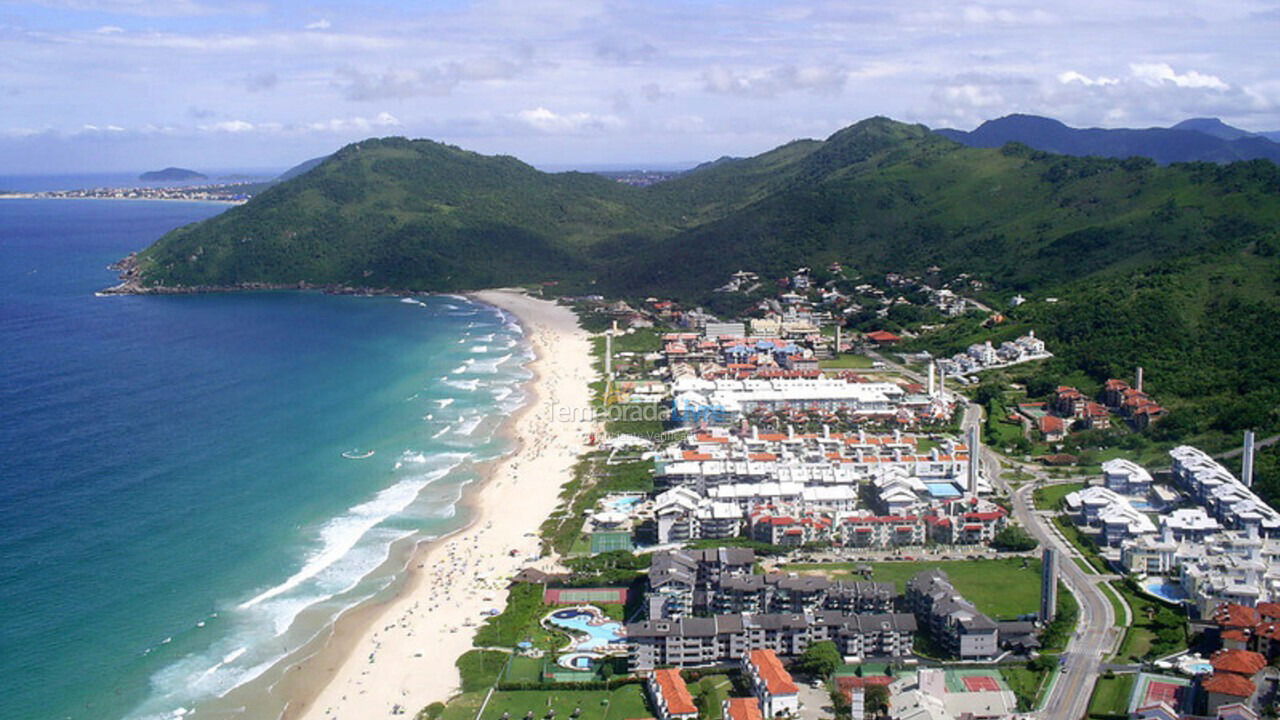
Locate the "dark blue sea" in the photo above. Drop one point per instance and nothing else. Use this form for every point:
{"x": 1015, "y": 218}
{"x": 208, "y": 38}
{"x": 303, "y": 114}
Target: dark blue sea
{"x": 186, "y": 489}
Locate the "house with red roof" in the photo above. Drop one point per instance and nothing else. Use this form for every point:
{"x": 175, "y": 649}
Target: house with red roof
{"x": 1053, "y": 428}
{"x": 740, "y": 708}
{"x": 1235, "y": 678}
{"x": 772, "y": 684}
{"x": 670, "y": 696}
{"x": 882, "y": 338}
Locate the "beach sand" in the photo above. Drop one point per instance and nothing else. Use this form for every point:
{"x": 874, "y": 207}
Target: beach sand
{"x": 403, "y": 655}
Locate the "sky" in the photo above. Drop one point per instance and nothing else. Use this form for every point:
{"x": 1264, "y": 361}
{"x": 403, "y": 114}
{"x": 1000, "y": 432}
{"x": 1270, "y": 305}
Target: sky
{"x": 122, "y": 85}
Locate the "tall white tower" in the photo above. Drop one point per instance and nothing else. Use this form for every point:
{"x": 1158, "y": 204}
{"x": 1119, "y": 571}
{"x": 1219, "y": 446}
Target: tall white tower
{"x": 932, "y": 380}
{"x": 975, "y": 452}
{"x": 1246, "y": 461}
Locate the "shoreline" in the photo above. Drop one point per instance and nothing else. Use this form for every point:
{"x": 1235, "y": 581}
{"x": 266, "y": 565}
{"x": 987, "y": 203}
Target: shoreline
{"x": 413, "y": 637}
{"x": 40, "y": 195}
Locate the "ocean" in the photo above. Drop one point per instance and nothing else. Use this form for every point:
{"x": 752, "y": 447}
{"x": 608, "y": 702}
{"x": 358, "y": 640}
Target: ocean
{"x": 186, "y": 486}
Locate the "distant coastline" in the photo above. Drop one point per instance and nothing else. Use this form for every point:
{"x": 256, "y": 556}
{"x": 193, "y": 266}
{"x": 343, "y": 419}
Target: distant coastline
{"x": 232, "y": 194}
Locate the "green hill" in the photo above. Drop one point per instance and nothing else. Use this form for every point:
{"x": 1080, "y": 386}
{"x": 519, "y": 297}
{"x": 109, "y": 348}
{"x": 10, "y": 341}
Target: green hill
{"x": 1171, "y": 267}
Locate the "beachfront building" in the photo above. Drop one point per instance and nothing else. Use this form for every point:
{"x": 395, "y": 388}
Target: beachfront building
{"x": 771, "y": 683}
{"x": 728, "y": 400}
{"x": 670, "y": 696}
{"x": 700, "y": 641}
{"x": 951, "y": 620}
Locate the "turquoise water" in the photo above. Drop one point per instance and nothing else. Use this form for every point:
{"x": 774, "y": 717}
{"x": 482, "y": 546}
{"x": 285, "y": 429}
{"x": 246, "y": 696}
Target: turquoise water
{"x": 598, "y": 634}
{"x": 943, "y": 489}
{"x": 175, "y": 510}
{"x": 1172, "y": 592}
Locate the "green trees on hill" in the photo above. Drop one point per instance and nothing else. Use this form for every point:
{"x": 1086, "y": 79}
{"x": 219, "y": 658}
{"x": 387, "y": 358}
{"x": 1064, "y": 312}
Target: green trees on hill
{"x": 1172, "y": 268}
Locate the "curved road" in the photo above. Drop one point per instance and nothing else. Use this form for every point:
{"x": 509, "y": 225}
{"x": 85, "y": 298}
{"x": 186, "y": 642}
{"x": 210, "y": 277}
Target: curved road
{"x": 1096, "y": 635}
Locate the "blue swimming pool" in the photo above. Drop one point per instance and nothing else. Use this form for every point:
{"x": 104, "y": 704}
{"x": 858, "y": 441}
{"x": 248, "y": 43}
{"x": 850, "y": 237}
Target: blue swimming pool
{"x": 590, "y": 628}
{"x": 622, "y": 504}
{"x": 1166, "y": 590}
{"x": 943, "y": 489}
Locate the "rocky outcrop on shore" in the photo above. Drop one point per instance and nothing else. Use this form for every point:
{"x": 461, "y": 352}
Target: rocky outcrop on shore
{"x": 131, "y": 283}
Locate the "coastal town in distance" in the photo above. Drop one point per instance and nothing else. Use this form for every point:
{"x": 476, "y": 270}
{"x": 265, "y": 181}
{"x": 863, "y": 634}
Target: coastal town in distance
{"x": 777, "y": 516}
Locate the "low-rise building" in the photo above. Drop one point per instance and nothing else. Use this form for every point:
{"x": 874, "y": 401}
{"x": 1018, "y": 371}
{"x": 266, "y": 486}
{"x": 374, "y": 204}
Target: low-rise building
{"x": 950, "y": 619}
{"x": 771, "y": 683}
{"x": 670, "y": 696}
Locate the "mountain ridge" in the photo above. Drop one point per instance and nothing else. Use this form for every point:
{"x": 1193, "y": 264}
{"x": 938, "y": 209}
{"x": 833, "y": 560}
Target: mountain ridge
{"x": 1193, "y": 140}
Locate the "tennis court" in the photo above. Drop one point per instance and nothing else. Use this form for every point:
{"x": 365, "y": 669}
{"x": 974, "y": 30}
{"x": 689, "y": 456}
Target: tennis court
{"x": 1151, "y": 689}
{"x": 984, "y": 683}
{"x": 974, "y": 680}
{"x": 584, "y": 596}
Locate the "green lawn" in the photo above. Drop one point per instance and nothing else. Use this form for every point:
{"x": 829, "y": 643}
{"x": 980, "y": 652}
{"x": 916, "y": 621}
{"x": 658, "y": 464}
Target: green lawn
{"x": 1111, "y": 696}
{"x": 1081, "y": 543}
{"x": 1001, "y": 588}
{"x": 1118, "y": 603}
{"x": 1050, "y": 497}
{"x": 710, "y": 693}
{"x": 1141, "y": 638}
{"x": 846, "y": 361}
{"x": 625, "y": 702}
{"x": 1026, "y": 684}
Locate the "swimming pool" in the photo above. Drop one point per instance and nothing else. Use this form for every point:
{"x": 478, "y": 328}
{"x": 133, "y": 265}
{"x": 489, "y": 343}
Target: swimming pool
{"x": 1172, "y": 592}
{"x": 943, "y": 489}
{"x": 621, "y": 504}
{"x": 591, "y": 630}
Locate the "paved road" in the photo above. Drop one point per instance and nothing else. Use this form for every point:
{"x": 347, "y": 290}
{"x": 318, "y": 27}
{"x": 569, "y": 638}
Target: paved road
{"x": 1095, "y": 635}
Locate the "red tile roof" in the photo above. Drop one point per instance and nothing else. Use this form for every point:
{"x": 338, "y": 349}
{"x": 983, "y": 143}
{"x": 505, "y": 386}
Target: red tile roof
{"x": 1269, "y": 610}
{"x": 1232, "y": 615}
{"x": 882, "y": 336}
{"x": 1242, "y": 662}
{"x": 675, "y": 692}
{"x": 744, "y": 709}
{"x": 776, "y": 678}
{"x": 1228, "y": 684}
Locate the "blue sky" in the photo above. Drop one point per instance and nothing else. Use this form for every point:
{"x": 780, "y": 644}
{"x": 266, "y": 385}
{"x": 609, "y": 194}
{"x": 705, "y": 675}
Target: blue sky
{"x": 134, "y": 84}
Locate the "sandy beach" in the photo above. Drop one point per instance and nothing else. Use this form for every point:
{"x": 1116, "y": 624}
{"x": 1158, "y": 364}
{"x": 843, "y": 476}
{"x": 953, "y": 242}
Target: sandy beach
{"x": 403, "y": 657}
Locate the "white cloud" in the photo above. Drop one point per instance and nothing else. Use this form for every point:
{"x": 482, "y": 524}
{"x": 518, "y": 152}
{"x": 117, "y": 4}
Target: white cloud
{"x": 1160, "y": 73}
{"x": 228, "y": 126}
{"x": 775, "y": 81}
{"x": 440, "y": 79}
{"x": 109, "y": 30}
{"x": 540, "y": 118}
{"x": 382, "y": 120}
{"x": 321, "y": 24}
{"x": 1071, "y": 76}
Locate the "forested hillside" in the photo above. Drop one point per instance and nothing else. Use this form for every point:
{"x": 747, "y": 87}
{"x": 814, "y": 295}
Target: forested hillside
{"x": 1171, "y": 267}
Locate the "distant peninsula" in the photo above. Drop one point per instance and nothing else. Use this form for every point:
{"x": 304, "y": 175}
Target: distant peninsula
{"x": 171, "y": 174}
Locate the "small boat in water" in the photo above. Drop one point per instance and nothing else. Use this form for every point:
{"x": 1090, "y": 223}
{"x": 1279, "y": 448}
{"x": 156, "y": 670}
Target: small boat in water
{"x": 357, "y": 455}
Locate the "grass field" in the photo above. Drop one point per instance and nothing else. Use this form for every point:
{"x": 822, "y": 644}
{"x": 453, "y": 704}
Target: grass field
{"x": 625, "y": 702}
{"x": 710, "y": 693}
{"x": 1027, "y": 685}
{"x": 1001, "y": 588}
{"x": 1140, "y": 639}
{"x": 1050, "y": 497}
{"x": 1117, "y": 601}
{"x": 846, "y": 361}
{"x": 1111, "y": 696}
{"x": 1081, "y": 543}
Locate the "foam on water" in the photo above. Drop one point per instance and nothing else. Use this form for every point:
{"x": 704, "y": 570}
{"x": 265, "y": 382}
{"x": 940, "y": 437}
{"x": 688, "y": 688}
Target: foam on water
{"x": 340, "y": 535}
{"x": 470, "y": 385}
